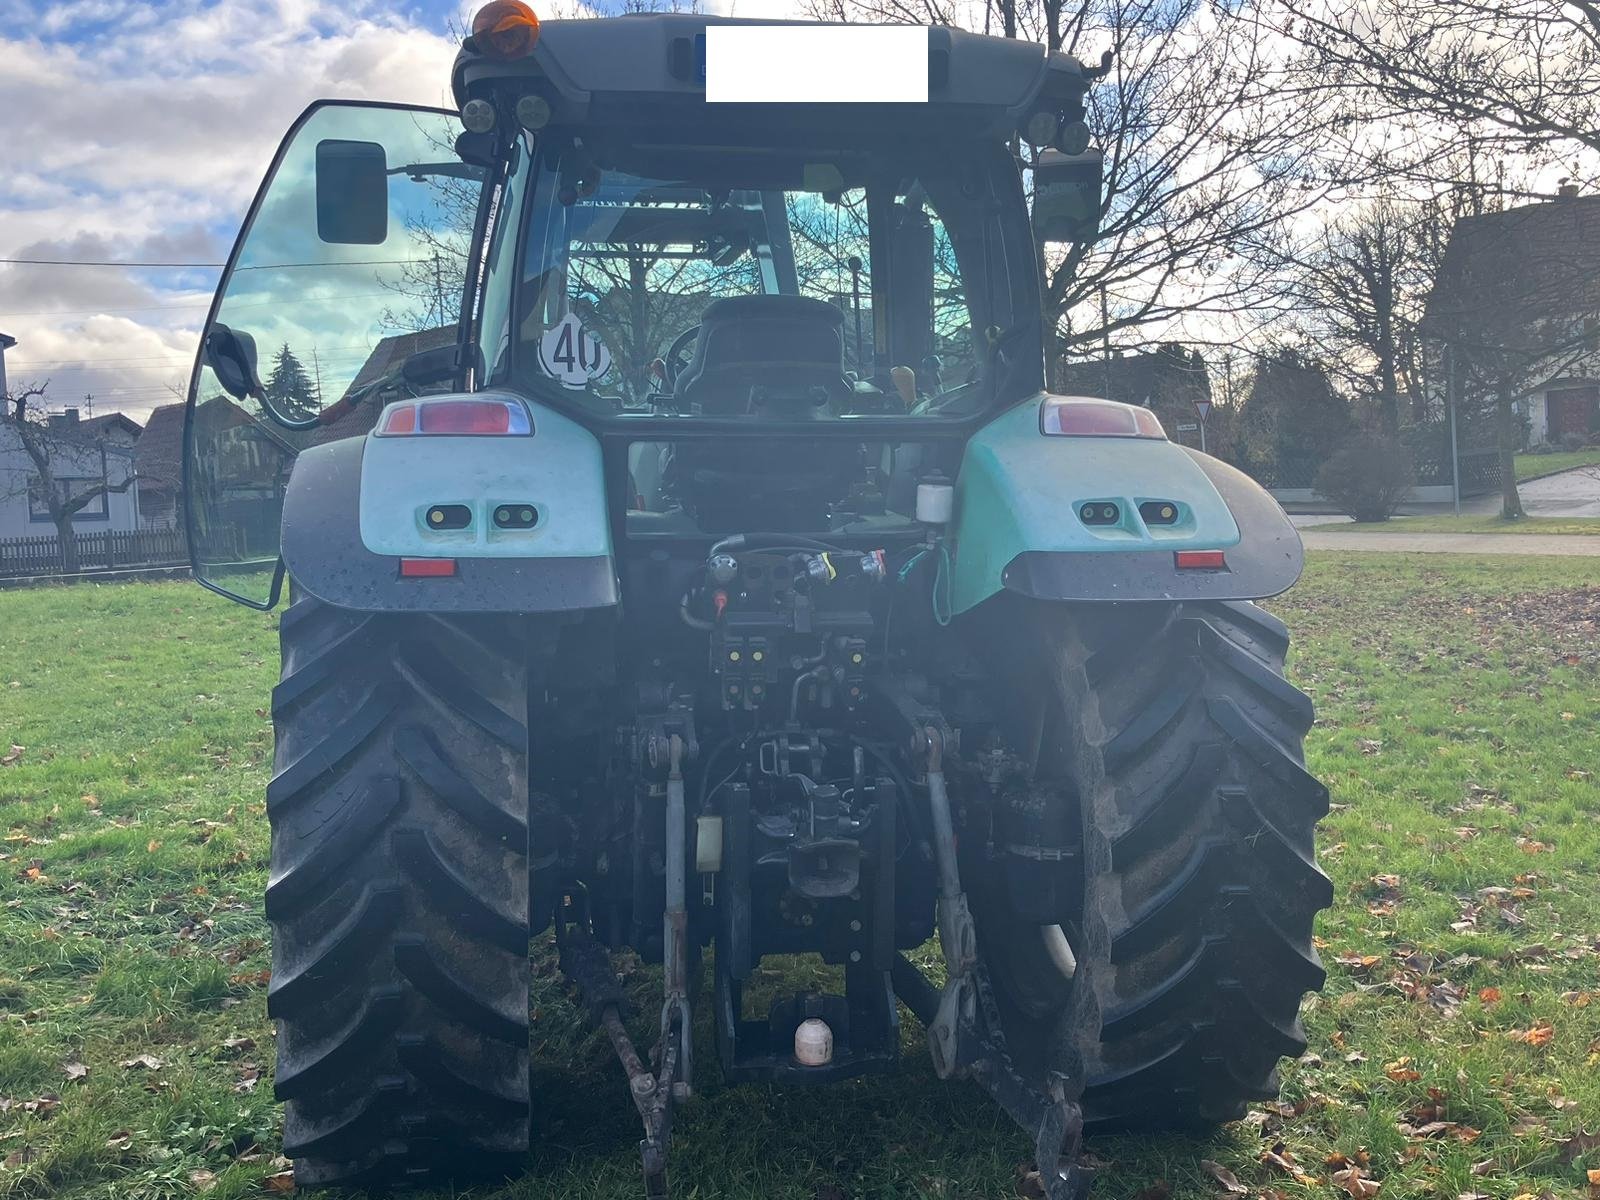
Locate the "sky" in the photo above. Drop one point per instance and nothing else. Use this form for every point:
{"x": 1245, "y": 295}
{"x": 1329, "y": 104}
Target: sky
{"x": 137, "y": 132}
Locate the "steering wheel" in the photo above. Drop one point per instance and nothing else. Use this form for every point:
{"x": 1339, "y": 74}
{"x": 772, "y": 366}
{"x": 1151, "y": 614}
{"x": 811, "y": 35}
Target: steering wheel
{"x": 676, "y": 357}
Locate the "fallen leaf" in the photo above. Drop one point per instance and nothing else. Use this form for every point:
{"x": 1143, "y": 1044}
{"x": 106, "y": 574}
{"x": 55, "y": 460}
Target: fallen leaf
{"x": 1030, "y": 1184}
{"x": 1489, "y": 995}
{"x": 203, "y": 1180}
{"x": 283, "y": 1181}
{"x": 120, "y": 1140}
{"x": 1230, "y": 1182}
{"x": 239, "y": 1045}
{"x": 1401, "y": 1071}
{"x": 74, "y": 1070}
{"x": 1358, "y": 1185}
{"x": 1578, "y": 1145}
{"x": 144, "y": 1062}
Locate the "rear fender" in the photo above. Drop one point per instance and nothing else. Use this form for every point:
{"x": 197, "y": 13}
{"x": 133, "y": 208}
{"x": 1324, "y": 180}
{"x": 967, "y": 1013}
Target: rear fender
{"x": 1018, "y": 522}
{"x": 355, "y": 508}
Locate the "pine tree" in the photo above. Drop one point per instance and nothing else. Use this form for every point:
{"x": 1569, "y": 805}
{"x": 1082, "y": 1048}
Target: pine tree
{"x": 290, "y": 388}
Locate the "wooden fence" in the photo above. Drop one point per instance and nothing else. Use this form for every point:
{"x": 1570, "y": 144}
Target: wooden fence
{"x": 101, "y": 550}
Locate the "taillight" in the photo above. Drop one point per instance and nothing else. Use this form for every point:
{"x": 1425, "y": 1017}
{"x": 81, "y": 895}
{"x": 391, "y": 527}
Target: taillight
{"x": 1077, "y": 416}
{"x": 455, "y": 417}
{"x": 1200, "y": 560}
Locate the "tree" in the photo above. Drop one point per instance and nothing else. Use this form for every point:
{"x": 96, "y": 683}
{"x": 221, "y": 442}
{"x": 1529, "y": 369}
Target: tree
{"x": 1362, "y": 289}
{"x": 1212, "y": 147}
{"x": 1291, "y": 421}
{"x": 1524, "y": 73}
{"x": 291, "y": 390}
{"x": 22, "y": 415}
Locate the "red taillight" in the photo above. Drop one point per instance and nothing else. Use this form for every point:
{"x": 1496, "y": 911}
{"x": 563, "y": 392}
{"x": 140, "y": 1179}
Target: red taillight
{"x": 1200, "y": 560}
{"x": 1075, "y": 416}
{"x": 427, "y": 568}
{"x": 449, "y": 417}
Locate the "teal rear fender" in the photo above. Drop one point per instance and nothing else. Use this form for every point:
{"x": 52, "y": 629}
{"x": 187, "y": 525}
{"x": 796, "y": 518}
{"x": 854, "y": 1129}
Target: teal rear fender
{"x": 1087, "y": 518}
{"x": 356, "y": 509}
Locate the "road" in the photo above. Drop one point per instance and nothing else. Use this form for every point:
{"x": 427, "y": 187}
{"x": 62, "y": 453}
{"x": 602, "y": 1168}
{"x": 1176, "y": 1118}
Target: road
{"x": 1455, "y": 543}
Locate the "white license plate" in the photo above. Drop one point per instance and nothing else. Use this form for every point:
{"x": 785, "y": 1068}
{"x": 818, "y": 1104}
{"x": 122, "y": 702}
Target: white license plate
{"x": 809, "y": 64}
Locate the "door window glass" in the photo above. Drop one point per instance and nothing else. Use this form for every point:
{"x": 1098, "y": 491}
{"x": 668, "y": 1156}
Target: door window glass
{"x": 334, "y": 286}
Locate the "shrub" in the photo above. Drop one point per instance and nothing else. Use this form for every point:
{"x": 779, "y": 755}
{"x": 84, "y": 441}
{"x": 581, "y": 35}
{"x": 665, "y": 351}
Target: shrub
{"x": 1367, "y": 479}
{"x": 1573, "y": 441}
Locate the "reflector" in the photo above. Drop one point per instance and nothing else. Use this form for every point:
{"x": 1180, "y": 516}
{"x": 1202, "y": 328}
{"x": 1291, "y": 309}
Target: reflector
{"x": 1074, "y": 416}
{"x": 505, "y": 29}
{"x": 427, "y": 568}
{"x": 1201, "y": 560}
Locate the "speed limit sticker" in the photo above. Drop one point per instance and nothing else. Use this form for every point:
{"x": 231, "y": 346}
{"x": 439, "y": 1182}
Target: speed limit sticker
{"x": 570, "y": 353}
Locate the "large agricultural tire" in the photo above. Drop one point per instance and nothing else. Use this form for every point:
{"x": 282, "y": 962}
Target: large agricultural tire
{"x": 398, "y": 895}
{"x": 1172, "y": 746}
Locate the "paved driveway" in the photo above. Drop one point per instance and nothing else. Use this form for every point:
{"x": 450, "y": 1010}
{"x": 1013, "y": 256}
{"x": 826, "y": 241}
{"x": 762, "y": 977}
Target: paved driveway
{"x": 1574, "y": 493}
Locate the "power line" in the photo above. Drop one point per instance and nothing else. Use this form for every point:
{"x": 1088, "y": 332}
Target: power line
{"x": 198, "y": 266}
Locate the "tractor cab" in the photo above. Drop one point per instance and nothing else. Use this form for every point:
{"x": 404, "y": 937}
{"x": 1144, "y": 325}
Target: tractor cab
{"x": 593, "y": 234}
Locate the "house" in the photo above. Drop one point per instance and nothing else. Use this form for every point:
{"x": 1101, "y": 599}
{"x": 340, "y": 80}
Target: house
{"x": 247, "y": 458}
{"x": 1515, "y": 312}
{"x": 158, "y": 457}
{"x": 1168, "y": 380}
{"x": 79, "y": 461}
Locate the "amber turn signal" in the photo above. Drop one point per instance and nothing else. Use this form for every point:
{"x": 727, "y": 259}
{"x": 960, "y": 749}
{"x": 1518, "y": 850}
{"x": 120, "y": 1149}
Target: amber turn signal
{"x": 505, "y": 29}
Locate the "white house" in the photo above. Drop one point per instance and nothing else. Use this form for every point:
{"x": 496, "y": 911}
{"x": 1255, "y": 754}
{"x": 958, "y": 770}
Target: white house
{"x": 82, "y": 455}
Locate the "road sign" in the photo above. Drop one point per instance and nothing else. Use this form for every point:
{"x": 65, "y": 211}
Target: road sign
{"x": 1188, "y": 427}
{"x": 1203, "y": 407}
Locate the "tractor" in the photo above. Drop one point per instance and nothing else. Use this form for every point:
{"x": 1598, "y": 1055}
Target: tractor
{"x": 684, "y": 557}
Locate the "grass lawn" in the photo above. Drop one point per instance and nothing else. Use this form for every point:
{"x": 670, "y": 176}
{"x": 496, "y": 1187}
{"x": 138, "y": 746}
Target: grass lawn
{"x": 1454, "y": 1051}
{"x": 1529, "y": 465}
{"x": 1448, "y": 523}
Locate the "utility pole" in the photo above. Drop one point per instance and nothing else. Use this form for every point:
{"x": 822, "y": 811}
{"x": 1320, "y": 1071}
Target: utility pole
{"x": 1105, "y": 338}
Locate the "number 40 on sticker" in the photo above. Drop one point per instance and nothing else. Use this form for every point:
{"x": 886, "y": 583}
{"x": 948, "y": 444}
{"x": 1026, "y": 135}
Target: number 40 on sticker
{"x": 572, "y": 354}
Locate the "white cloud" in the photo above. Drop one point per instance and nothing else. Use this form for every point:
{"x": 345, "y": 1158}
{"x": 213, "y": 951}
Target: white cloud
{"x": 139, "y": 131}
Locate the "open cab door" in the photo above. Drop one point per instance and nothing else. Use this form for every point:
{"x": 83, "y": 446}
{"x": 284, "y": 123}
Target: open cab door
{"x": 352, "y": 260}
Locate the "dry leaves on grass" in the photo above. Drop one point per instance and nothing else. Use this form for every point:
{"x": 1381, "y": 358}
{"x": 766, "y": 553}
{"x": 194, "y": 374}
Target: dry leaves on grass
{"x": 1539, "y": 1035}
{"x": 1229, "y": 1181}
{"x": 1281, "y": 1158}
{"x": 74, "y": 1070}
{"x": 1353, "y": 1180}
{"x": 144, "y": 1062}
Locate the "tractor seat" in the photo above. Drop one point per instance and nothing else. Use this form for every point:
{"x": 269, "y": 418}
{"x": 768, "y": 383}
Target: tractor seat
{"x": 776, "y": 355}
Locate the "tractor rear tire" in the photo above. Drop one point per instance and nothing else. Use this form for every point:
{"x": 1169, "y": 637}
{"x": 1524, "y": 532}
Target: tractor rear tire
{"x": 1173, "y": 743}
{"x": 398, "y": 895}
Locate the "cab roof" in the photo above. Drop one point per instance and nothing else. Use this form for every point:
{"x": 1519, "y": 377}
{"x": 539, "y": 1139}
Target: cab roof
{"x": 646, "y": 69}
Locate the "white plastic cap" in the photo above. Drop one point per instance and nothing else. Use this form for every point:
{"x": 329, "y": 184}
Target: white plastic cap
{"x": 813, "y": 1043}
{"x": 936, "y": 501}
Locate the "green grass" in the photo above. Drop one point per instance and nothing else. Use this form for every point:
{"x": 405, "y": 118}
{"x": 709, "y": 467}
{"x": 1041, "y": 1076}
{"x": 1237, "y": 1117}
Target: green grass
{"x": 1467, "y": 523}
{"x": 1530, "y": 465}
{"x": 1458, "y": 727}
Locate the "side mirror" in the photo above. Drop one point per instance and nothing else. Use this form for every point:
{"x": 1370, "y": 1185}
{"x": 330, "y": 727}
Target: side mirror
{"x": 352, "y": 193}
{"x": 1066, "y": 196}
{"x": 231, "y": 354}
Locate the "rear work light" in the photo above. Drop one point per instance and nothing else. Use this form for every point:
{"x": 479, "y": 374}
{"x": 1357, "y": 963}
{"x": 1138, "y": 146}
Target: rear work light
{"x": 1074, "y": 416}
{"x": 450, "y": 417}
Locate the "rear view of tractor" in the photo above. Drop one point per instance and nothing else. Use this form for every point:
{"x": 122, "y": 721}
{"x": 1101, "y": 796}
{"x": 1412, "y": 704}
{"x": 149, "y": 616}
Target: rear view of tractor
{"x": 684, "y": 556}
